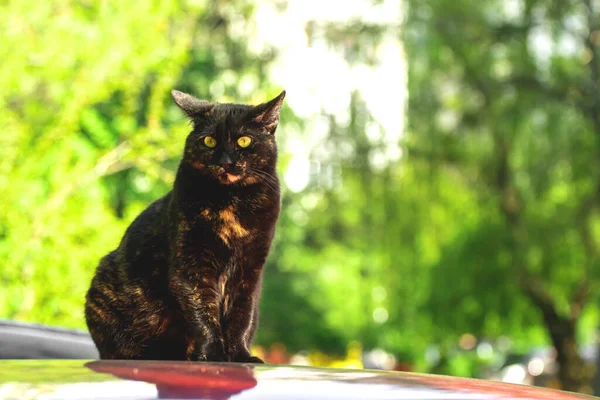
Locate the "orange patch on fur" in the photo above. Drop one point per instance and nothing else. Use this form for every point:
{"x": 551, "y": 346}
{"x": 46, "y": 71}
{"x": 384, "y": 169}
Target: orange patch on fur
{"x": 226, "y": 304}
{"x": 191, "y": 347}
{"x": 222, "y": 282}
{"x": 162, "y": 324}
{"x": 97, "y": 310}
{"x": 251, "y": 180}
{"x": 231, "y": 227}
{"x": 233, "y": 178}
{"x": 206, "y": 213}
{"x": 107, "y": 293}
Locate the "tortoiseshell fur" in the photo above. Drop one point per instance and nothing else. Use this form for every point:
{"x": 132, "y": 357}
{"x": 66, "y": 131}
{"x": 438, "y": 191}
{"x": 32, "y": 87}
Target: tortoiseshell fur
{"x": 185, "y": 280}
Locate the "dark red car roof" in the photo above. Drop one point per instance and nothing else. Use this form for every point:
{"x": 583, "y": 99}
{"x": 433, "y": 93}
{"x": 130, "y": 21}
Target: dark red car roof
{"x": 74, "y": 379}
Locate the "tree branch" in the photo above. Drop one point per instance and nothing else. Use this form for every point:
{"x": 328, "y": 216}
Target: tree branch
{"x": 539, "y": 295}
{"x": 593, "y": 109}
{"x": 581, "y": 296}
{"x": 561, "y": 95}
{"x": 470, "y": 72}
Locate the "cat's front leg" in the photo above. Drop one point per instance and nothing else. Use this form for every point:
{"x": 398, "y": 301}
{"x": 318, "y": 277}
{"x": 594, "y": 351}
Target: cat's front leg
{"x": 240, "y": 320}
{"x": 194, "y": 289}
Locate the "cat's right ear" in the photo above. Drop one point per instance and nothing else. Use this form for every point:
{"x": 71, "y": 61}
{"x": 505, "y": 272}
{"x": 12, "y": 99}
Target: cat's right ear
{"x": 193, "y": 107}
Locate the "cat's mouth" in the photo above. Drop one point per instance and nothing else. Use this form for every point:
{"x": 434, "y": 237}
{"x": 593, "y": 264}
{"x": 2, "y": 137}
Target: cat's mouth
{"x": 228, "y": 177}
{"x": 231, "y": 175}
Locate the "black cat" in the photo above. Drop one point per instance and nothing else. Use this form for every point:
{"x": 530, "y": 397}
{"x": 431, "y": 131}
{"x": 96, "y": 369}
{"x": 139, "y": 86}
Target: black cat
{"x": 185, "y": 280}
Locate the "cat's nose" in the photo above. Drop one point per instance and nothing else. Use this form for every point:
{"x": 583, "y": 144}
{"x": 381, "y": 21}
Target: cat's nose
{"x": 225, "y": 160}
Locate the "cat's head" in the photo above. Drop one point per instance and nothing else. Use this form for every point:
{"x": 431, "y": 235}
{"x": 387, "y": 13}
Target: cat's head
{"x": 232, "y": 143}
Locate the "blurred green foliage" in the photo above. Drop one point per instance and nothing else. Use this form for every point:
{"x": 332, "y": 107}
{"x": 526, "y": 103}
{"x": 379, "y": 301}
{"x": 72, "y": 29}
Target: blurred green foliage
{"x": 505, "y": 106}
{"x": 89, "y": 133}
{"x": 488, "y": 224}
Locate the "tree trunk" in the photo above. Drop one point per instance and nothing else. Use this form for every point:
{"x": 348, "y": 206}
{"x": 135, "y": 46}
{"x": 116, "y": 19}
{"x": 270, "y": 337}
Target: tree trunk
{"x": 574, "y": 375}
{"x": 597, "y": 378}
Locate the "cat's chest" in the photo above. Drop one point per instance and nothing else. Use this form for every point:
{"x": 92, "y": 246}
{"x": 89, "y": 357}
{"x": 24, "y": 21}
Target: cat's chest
{"x": 232, "y": 225}
{"x": 235, "y": 223}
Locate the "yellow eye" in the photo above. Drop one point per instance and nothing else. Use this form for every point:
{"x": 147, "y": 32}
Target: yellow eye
{"x": 210, "y": 142}
{"x": 244, "y": 141}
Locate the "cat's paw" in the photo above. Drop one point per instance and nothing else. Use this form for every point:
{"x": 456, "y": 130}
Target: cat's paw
{"x": 247, "y": 359}
{"x": 214, "y": 352}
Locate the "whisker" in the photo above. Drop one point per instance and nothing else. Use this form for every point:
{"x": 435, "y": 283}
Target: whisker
{"x": 268, "y": 179}
{"x": 266, "y": 176}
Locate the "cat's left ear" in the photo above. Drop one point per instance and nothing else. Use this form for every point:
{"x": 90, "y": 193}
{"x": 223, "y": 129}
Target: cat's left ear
{"x": 267, "y": 114}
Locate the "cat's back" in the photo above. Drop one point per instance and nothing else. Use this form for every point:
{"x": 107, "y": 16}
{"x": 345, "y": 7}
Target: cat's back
{"x": 131, "y": 277}
{"x": 150, "y": 221}
{"x": 144, "y": 245}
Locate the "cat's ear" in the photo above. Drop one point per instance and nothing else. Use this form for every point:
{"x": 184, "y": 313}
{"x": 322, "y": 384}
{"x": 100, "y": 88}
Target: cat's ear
{"x": 267, "y": 114}
{"x": 192, "y": 106}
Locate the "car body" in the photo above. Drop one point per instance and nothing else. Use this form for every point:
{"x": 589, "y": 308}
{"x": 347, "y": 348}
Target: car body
{"x": 39, "y": 362}
{"x": 105, "y": 379}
